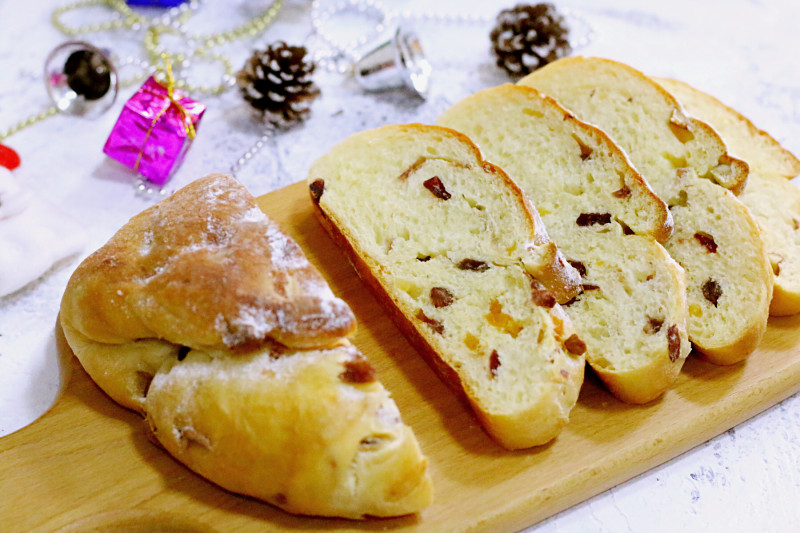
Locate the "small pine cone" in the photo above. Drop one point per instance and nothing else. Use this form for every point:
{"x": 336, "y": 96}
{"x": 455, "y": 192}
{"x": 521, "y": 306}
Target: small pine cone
{"x": 528, "y": 37}
{"x": 277, "y": 83}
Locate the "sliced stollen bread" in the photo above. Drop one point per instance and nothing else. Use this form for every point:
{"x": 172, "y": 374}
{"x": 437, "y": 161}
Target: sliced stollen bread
{"x": 770, "y": 197}
{"x": 716, "y": 239}
{"x": 606, "y": 220}
{"x": 454, "y": 250}
{"x": 204, "y": 317}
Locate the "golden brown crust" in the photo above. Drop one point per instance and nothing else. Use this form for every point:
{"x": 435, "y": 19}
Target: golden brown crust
{"x": 209, "y": 246}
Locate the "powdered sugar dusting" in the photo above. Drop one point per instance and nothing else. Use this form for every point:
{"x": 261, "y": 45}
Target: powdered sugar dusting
{"x": 286, "y": 254}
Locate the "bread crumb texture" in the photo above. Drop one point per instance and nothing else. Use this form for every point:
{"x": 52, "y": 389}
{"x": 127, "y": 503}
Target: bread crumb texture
{"x": 450, "y": 240}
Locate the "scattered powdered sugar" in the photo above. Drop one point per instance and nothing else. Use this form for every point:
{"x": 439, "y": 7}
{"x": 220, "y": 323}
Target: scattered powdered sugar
{"x": 285, "y": 253}
{"x": 254, "y": 214}
{"x": 251, "y": 323}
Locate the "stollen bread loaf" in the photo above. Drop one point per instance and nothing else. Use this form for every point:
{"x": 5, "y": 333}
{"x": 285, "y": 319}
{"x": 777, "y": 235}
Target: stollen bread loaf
{"x": 716, "y": 239}
{"x": 606, "y": 220}
{"x": 770, "y": 197}
{"x": 456, "y": 253}
{"x": 204, "y": 317}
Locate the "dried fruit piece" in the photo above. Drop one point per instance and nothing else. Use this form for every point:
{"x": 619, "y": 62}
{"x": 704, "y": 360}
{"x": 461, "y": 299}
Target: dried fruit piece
{"x": 423, "y": 258}
{"x": 653, "y": 325}
{"x": 567, "y": 304}
{"x": 623, "y": 192}
{"x": 472, "y": 342}
{"x": 626, "y": 230}
{"x": 712, "y": 291}
{"x": 494, "y": 363}
{"x": 673, "y": 343}
{"x": 473, "y": 264}
{"x": 590, "y": 287}
{"x": 706, "y": 240}
{"x": 577, "y": 265}
{"x": 441, "y": 297}
{"x": 317, "y": 187}
{"x": 182, "y": 352}
{"x": 503, "y": 321}
{"x": 586, "y": 150}
{"x": 357, "y": 370}
{"x": 435, "y": 325}
{"x": 418, "y": 163}
{"x": 564, "y": 373}
{"x": 575, "y": 345}
{"x": 541, "y": 296}
{"x": 436, "y": 187}
{"x": 590, "y": 219}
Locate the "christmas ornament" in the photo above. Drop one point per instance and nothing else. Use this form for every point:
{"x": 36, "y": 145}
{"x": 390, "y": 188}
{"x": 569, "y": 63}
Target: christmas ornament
{"x": 8, "y": 157}
{"x": 80, "y": 79}
{"x": 397, "y": 62}
{"x": 528, "y": 37}
{"x": 277, "y": 83}
{"x": 155, "y": 129}
{"x": 390, "y": 56}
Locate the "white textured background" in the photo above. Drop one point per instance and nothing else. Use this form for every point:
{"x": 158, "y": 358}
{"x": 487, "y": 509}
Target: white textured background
{"x": 745, "y": 52}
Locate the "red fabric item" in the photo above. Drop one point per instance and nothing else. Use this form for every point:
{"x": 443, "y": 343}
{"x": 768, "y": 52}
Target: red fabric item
{"x": 8, "y": 157}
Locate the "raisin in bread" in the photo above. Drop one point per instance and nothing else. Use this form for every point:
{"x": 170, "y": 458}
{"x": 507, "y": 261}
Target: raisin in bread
{"x": 773, "y": 201}
{"x": 606, "y": 220}
{"x": 454, "y": 250}
{"x": 204, "y": 317}
{"x": 716, "y": 239}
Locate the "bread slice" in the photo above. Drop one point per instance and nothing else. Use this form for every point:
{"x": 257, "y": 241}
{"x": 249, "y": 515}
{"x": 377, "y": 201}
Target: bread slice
{"x": 773, "y": 201}
{"x": 454, "y": 250}
{"x": 716, "y": 239}
{"x": 632, "y": 313}
{"x": 204, "y": 317}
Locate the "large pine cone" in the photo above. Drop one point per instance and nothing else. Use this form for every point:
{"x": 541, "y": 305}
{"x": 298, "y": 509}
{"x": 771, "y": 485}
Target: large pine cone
{"x": 277, "y": 82}
{"x": 528, "y": 37}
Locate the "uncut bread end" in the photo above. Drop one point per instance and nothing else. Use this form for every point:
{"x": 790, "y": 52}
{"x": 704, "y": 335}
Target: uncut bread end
{"x": 478, "y": 326}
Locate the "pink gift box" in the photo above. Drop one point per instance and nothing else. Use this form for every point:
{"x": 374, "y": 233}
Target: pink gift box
{"x": 152, "y": 133}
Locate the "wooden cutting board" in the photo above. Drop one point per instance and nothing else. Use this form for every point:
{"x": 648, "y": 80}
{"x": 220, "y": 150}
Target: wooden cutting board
{"x": 88, "y": 464}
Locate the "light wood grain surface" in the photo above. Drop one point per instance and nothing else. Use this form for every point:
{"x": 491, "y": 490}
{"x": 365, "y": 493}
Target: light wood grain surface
{"x": 88, "y": 463}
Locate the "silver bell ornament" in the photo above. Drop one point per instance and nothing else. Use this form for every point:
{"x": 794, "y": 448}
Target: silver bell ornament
{"x": 396, "y": 62}
{"x": 81, "y": 79}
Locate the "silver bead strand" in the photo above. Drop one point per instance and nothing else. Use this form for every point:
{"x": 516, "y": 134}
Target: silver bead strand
{"x": 269, "y": 133}
{"x": 341, "y": 56}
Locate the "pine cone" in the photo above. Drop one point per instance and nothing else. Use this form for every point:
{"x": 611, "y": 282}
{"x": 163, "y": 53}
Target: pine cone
{"x": 277, "y": 82}
{"x": 528, "y": 37}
